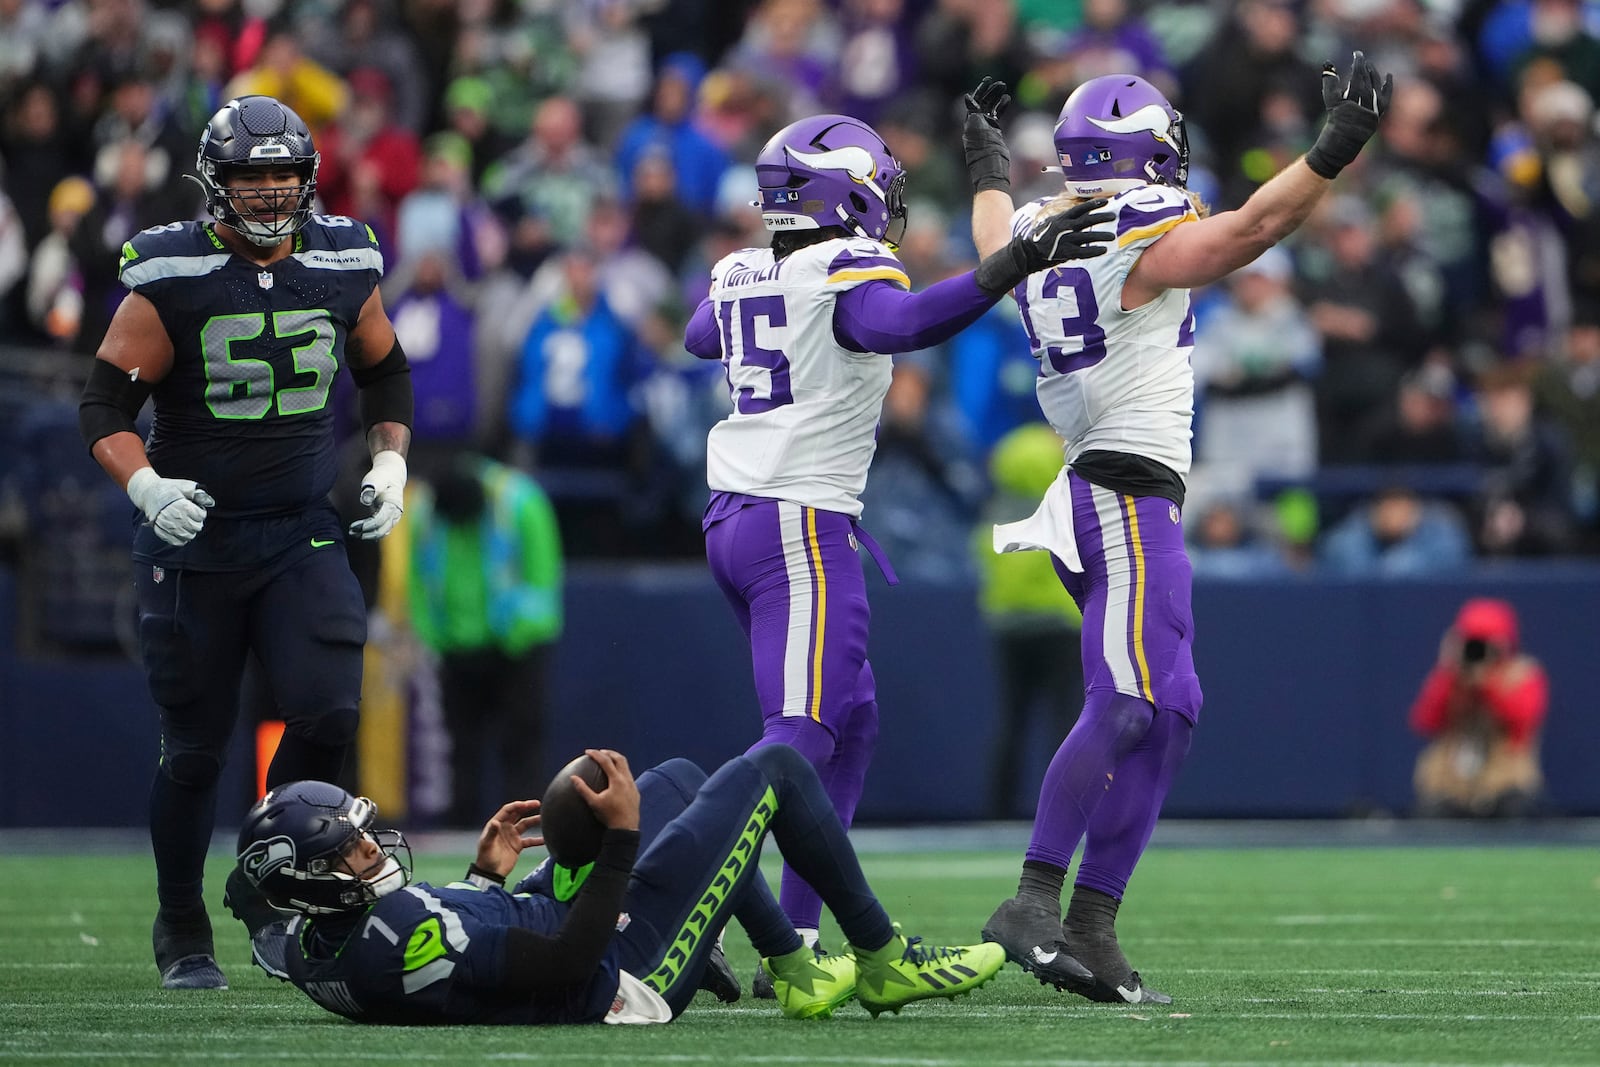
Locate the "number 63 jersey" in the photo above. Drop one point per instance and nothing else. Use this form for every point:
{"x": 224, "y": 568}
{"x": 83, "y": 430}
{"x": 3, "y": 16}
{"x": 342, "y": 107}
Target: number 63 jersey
{"x": 1109, "y": 379}
{"x": 805, "y": 408}
{"x": 244, "y": 410}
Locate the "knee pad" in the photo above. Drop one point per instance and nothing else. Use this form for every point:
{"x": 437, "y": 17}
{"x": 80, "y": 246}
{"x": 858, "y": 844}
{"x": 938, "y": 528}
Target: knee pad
{"x": 192, "y": 770}
{"x": 1125, "y": 720}
{"x": 780, "y": 761}
{"x": 684, "y": 775}
{"x": 334, "y": 728}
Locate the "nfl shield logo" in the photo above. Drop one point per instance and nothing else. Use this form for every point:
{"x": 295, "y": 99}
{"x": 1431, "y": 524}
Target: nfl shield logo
{"x": 264, "y": 279}
{"x": 158, "y": 574}
{"x": 1172, "y": 513}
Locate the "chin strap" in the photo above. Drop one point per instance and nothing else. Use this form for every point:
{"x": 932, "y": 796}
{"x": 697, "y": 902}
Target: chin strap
{"x": 392, "y": 877}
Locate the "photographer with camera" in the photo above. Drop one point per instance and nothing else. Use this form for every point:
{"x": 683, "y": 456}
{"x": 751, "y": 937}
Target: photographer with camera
{"x": 1481, "y": 708}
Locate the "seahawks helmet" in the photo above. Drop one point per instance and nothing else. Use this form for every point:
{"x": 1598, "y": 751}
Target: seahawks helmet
{"x": 1117, "y": 132}
{"x": 830, "y": 170}
{"x": 293, "y": 840}
{"x": 253, "y": 132}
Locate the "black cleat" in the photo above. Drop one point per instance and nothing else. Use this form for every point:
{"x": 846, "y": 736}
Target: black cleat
{"x": 719, "y": 978}
{"x": 1091, "y": 929}
{"x": 184, "y": 953}
{"x": 1031, "y": 935}
{"x": 1129, "y": 991}
{"x": 269, "y": 947}
{"x": 761, "y": 985}
{"x": 194, "y": 972}
{"x": 248, "y": 904}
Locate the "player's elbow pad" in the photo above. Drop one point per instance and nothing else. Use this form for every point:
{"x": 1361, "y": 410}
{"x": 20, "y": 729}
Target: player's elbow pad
{"x": 385, "y": 390}
{"x": 111, "y": 401}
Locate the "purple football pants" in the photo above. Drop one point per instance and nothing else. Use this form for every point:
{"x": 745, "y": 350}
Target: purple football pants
{"x": 1107, "y": 782}
{"x": 795, "y": 583}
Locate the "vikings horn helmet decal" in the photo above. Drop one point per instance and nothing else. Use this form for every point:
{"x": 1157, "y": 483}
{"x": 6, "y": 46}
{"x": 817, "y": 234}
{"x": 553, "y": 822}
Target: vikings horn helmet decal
{"x": 830, "y": 170}
{"x": 1118, "y": 132}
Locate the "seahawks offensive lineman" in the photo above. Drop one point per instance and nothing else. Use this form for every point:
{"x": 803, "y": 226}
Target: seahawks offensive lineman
{"x": 1113, "y": 338}
{"x": 801, "y": 328}
{"x": 628, "y": 946}
{"x": 237, "y": 328}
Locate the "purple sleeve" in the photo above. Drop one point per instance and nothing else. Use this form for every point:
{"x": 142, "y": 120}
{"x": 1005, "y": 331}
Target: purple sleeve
{"x": 880, "y": 317}
{"x": 700, "y": 336}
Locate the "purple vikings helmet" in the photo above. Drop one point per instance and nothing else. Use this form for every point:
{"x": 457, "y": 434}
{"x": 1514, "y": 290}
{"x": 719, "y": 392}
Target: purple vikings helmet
{"x": 1117, "y": 132}
{"x": 830, "y": 170}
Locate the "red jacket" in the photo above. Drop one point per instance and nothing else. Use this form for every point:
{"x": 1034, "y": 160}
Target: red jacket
{"x": 1512, "y": 689}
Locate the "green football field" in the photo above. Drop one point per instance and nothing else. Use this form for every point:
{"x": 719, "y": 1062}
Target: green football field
{"x": 1443, "y": 955}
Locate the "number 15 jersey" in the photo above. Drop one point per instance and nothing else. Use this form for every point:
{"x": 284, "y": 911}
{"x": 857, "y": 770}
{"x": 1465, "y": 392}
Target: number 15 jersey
{"x": 805, "y": 408}
{"x": 1114, "y": 380}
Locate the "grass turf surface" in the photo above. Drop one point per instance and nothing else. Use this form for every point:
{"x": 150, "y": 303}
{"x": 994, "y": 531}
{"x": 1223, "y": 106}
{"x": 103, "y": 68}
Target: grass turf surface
{"x": 1273, "y": 956}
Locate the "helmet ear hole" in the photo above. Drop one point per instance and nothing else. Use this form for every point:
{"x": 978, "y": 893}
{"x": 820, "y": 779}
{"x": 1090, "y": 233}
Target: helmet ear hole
{"x": 858, "y": 202}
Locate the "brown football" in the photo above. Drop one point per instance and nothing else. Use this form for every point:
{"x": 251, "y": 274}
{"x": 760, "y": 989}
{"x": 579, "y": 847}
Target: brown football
{"x": 571, "y": 831}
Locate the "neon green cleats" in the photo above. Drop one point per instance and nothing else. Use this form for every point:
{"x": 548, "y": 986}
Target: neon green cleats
{"x": 810, "y": 984}
{"x": 906, "y": 970}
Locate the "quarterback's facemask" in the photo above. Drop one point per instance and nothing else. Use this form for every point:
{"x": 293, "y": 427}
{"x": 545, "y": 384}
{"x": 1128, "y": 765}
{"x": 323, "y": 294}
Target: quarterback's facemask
{"x": 295, "y": 842}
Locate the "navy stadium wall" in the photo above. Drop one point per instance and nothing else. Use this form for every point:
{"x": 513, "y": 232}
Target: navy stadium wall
{"x": 1307, "y": 685}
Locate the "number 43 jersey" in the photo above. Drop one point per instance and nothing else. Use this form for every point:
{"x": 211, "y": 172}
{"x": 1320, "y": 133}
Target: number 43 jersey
{"x": 244, "y": 410}
{"x": 1109, "y": 379}
{"x": 805, "y": 408}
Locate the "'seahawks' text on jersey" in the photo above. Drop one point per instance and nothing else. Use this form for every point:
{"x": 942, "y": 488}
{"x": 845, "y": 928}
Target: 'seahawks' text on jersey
{"x": 244, "y": 410}
{"x": 806, "y": 408}
{"x": 430, "y": 955}
{"x": 1113, "y": 380}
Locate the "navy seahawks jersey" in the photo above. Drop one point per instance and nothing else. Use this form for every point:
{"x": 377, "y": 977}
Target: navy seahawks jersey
{"x": 244, "y": 410}
{"x": 430, "y": 955}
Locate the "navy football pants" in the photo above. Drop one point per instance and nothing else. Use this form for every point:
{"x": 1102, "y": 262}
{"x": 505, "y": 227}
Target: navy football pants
{"x": 306, "y": 621}
{"x": 698, "y": 871}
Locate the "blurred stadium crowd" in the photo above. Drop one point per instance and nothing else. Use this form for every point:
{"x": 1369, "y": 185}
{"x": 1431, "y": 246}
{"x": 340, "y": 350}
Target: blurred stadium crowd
{"x": 1412, "y": 383}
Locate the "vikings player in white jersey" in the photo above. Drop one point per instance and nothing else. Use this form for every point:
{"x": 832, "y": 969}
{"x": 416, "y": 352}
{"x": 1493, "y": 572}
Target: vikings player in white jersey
{"x": 803, "y": 329}
{"x": 1113, "y": 337}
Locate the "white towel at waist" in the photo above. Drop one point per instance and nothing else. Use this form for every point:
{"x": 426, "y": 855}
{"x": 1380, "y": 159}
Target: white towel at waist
{"x": 1048, "y": 529}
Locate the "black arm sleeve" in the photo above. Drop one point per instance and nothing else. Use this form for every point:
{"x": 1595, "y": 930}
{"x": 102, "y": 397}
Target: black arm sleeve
{"x": 537, "y": 964}
{"x": 385, "y": 390}
{"x": 111, "y": 401}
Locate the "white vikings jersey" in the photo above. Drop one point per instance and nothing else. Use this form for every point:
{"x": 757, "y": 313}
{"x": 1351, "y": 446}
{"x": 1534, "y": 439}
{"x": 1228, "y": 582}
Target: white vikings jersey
{"x": 805, "y": 409}
{"x": 1110, "y": 379}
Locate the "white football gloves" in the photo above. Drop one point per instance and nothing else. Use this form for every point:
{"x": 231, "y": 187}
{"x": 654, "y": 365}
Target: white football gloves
{"x": 383, "y": 490}
{"x": 174, "y": 507}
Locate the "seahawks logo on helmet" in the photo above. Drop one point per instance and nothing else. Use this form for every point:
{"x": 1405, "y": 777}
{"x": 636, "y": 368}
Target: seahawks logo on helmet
{"x": 263, "y": 858}
{"x": 247, "y": 133}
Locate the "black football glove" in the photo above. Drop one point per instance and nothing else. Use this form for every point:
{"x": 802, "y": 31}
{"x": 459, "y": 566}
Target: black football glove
{"x": 988, "y": 158}
{"x": 1354, "y": 109}
{"x": 1059, "y": 238}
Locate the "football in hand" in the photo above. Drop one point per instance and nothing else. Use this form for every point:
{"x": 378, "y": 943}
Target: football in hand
{"x": 571, "y": 831}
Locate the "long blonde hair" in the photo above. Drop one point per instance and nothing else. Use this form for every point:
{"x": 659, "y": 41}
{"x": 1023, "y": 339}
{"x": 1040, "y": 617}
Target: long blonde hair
{"x": 1064, "y": 200}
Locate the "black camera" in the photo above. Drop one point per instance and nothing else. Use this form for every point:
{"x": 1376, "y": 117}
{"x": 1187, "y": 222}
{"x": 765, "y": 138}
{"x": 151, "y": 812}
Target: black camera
{"x": 1474, "y": 650}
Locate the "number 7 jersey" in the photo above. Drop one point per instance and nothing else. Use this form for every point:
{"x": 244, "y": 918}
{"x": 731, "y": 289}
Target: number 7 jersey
{"x": 805, "y": 408}
{"x": 1109, "y": 379}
